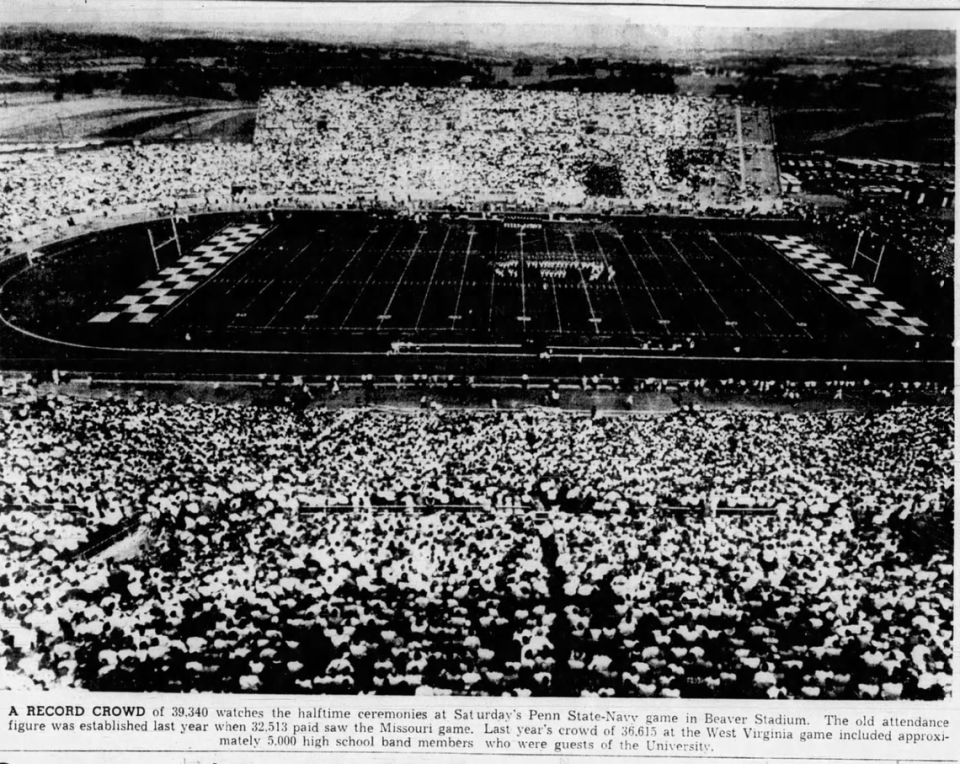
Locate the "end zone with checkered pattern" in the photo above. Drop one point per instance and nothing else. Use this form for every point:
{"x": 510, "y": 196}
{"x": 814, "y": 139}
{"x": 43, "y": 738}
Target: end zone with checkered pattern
{"x": 846, "y": 285}
{"x": 172, "y": 284}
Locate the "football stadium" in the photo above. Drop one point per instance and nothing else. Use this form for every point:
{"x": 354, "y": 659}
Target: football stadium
{"x": 458, "y": 391}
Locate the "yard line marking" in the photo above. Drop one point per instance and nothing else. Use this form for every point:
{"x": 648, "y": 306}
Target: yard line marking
{"x": 703, "y": 286}
{"x": 762, "y": 286}
{"x": 709, "y": 258}
{"x": 313, "y": 240}
{"x": 303, "y": 281}
{"x": 616, "y": 288}
{"x": 248, "y": 274}
{"x": 369, "y": 278}
{"x": 463, "y": 276}
{"x": 553, "y": 281}
{"x": 583, "y": 282}
{"x": 238, "y": 314}
{"x": 523, "y": 287}
{"x": 432, "y": 275}
{"x": 493, "y": 280}
{"x": 343, "y": 270}
{"x": 386, "y": 311}
{"x": 662, "y": 321}
{"x": 756, "y": 313}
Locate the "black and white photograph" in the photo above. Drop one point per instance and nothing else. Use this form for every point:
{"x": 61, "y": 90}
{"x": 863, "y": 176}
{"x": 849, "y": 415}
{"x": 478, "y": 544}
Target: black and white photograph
{"x": 476, "y": 350}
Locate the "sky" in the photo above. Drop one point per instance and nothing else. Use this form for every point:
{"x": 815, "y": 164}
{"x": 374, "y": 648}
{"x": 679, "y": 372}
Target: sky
{"x": 701, "y": 13}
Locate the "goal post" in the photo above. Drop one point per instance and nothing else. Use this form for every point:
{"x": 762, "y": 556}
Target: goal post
{"x": 173, "y": 239}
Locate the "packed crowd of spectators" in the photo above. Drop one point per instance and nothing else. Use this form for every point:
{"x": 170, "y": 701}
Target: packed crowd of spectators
{"x": 522, "y": 552}
{"x": 530, "y": 148}
{"x": 58, "y": 188}
{"x": 408, "y": 148}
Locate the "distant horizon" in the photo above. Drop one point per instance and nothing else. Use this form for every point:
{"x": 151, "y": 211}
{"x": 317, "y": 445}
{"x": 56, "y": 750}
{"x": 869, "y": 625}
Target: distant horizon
{"x": 508, "y": 26}
{"x": 543, "y": 39}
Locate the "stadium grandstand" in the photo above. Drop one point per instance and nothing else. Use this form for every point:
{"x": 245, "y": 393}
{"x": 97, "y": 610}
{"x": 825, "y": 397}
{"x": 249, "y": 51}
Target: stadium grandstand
{"x": 528, "y": 150}
{"x": 464, "y": 391}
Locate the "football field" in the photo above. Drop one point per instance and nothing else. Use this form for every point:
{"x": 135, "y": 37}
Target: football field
{"x": 353, "y": 282}
{"x": 482, "y": 280}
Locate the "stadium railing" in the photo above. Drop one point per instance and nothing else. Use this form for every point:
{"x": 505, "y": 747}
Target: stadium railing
{"x": 102, "y": 543}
